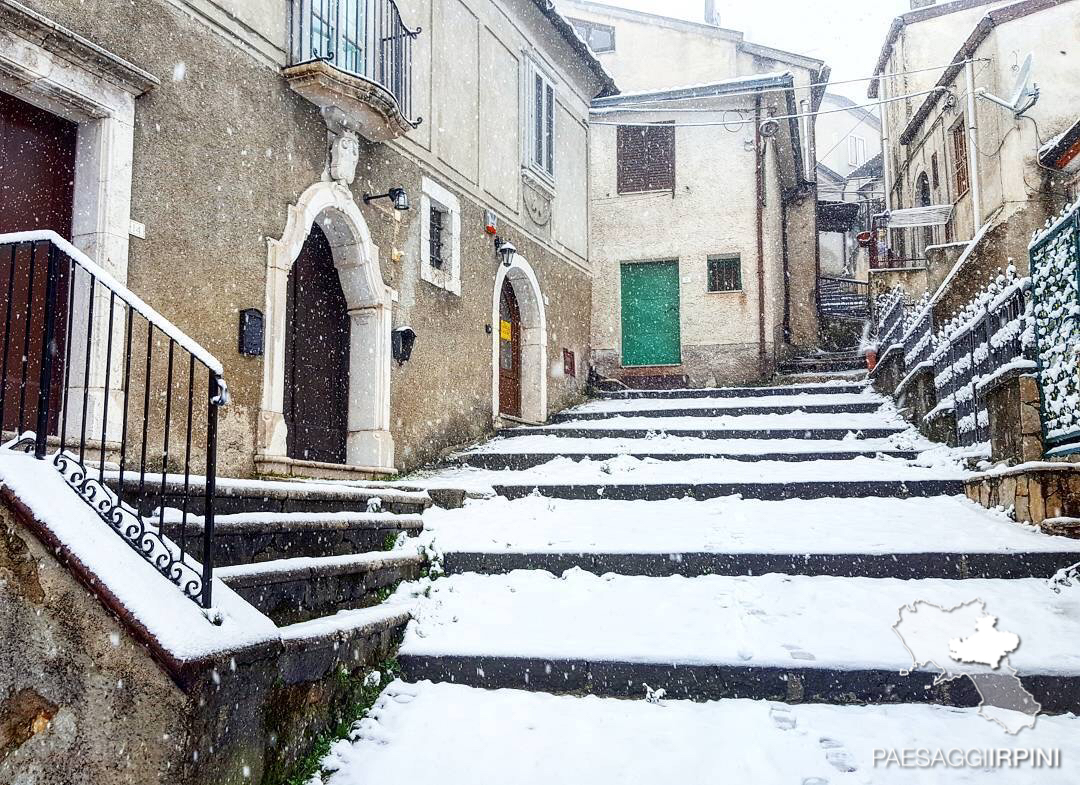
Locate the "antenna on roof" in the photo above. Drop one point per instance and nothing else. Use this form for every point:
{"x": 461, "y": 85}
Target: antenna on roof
{"x": 1024, "y": 95}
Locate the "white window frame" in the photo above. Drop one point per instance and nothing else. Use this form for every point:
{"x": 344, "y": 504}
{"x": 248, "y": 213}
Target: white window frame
{"x": 856, "y": 150}
{"x": 447, "y": 277}
{"x": 534, "y": 71}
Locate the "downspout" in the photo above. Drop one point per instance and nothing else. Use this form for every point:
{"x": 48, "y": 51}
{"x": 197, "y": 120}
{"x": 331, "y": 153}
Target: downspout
{"x": 759, "y": 152}
{"x": 972, "y": 148}
{"x": 787, "y": 277}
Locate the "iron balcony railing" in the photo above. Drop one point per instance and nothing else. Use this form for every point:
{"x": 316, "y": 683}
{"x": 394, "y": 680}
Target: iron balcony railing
{"x": 122, "y": 403}
{"x": 366, "y": 38}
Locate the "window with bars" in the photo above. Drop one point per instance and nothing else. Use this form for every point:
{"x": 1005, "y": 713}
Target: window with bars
{"x": 541, "y": 119}
{"x": 725, "y": 273}
{"x": 645, "y": 158}
{"x": 600, "y": 38}
{"x": 436, "y": 228}
{"x": 960, "y": 158}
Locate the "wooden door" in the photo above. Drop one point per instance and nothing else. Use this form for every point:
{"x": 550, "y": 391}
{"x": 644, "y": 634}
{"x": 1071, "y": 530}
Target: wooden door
{"x": 650, "y": 314}
{"x": 509, "y": 352}
{"x": 316, "y": 356}
{"x": 37, "y": 186}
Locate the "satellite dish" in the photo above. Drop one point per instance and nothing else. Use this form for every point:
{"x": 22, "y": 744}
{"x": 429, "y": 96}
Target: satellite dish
{"x": 1024, "y": 93}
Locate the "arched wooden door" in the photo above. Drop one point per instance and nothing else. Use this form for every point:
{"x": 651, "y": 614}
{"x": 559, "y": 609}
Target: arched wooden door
{"x": 37, "y": 184}
{"x": 509, "y": 351}
{"x": 316, "y": 356}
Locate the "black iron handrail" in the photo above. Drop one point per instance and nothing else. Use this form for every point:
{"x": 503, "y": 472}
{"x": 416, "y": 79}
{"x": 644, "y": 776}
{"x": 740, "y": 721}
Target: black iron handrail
{"x": 366, "y": 38}
{"x": 74, "y": 369}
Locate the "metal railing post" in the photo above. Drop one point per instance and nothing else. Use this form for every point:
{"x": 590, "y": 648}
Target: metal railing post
{"x": 48, "y": 354}
{"x": 213, "y": 401}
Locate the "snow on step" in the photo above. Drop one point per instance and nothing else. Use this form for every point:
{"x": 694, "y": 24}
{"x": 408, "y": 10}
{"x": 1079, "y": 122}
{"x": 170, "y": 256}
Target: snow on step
{"x": 773, "y": 621}
{"x": 303, "y": 567}
{"x": 664, "y": 444}
{"x": 826, "y": 387}
{"x": 803, "y": 399}
{"x": 803, "y": 421}
{"x": 537, "y": 739}
{"x": 729, "y": 525}
{"x": 628, "y": 470}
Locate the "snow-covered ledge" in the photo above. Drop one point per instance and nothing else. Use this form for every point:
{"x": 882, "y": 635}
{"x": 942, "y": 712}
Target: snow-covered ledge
{"x": 369, "y": 446}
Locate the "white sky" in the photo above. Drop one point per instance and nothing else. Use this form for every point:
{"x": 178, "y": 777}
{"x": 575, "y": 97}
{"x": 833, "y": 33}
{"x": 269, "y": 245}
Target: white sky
{"x": 846, "y": 34}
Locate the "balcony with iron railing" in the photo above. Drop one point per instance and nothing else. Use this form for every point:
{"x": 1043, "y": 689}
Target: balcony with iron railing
{"x": 354, "y": 57}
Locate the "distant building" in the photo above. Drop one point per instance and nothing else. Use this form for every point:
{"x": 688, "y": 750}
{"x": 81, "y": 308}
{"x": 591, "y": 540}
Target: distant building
{"x": 702, "y": 274}
{"x": 848, "y": 141}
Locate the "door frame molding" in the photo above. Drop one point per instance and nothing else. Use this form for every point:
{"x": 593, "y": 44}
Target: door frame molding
{"x": 531, "y": 307}
{"x": 369, "y": 445}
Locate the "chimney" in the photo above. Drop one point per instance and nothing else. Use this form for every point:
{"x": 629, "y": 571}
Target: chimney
{"x": 711, "y": 17}
{"x": 921, "y": 3}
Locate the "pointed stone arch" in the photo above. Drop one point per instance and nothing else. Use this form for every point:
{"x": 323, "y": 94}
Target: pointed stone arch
{"x": 534, "y": 373}
{"x": 368, "y": 300}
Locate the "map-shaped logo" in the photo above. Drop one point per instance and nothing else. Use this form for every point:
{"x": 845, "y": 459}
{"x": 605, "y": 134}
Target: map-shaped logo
{"x": 964, "y": 641}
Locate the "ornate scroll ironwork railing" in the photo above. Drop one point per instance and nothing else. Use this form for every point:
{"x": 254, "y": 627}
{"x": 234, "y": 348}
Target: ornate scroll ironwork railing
{"x": 1055, "y": 273}
{"x": 365, "y": 38}
{"x": 121, "y": 402}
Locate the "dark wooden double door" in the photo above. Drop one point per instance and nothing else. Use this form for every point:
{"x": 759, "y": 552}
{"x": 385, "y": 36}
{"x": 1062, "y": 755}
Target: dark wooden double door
{"x": 509, "y": 351}
{"x": 316, "y": 356}
{"x": 37, "y": 187}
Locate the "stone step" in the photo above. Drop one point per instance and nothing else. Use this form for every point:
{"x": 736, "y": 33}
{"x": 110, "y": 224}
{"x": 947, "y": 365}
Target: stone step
{"x": 863, "y": 407}
{"x": 772, "y": 637}
{"x": 279, "y": 496}
{"x": 768, "y": 491}
{"x": 703, "y": 433}
{"x": 300, "y": 589}
{"x": 528, "y": 460}
{"x": 907, "y": 566}
{"x": 247, "y": 538}
{"x": 737, "y": 392}
{"x": 1057, "y": 693}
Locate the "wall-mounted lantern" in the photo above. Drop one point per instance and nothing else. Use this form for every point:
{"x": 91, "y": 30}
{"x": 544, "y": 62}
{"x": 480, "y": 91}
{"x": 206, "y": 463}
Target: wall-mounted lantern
{"x": 401, "y": 343}
{"x": 504, "y": 250}
{"x": 396, "y": 195}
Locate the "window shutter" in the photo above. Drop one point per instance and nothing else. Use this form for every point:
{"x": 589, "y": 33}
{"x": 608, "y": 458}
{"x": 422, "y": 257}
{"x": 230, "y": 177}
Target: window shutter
{"x": 645, "y": 158}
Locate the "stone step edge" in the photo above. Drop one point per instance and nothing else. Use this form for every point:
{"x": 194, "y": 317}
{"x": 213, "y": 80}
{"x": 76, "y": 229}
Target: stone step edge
{"x": 768, "y": 491}
{"x": 491, "y": 460}
{"x": 312, "y": 568}
{"x": 345, "y": 626}
{"x": 867, "y": 407}
{"x": 815, "y": 434}
{"x": 1058, "y": 693}
{"x": 245, "y": 523}
{"x": 913, "y": 565}
{"x": 734, "y": 392}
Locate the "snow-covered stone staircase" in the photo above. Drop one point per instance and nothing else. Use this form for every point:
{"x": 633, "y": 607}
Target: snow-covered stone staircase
{"x": 749, "y": 547}
{"x": 301, "y": 551}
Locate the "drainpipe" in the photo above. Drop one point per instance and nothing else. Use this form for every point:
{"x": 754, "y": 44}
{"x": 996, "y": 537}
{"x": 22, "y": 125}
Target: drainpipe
{"x": 787, "y": 276}
{"x": 759, "y": 152}
{"x": 972, "y": 147}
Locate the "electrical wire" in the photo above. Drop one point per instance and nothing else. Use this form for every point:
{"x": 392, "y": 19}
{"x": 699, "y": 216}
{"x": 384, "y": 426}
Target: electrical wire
{"x": 813, "y": 85}
{"x": 615, "y": 110}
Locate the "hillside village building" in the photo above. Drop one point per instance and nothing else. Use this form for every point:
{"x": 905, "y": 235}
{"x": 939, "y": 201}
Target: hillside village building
{"x": 949, "y": 145}
{"x": 704, "y": 254}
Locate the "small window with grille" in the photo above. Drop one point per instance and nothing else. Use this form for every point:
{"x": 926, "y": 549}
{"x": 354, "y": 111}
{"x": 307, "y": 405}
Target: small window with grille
{"x": 725, "y": 273}
{"x": 436, "y": 229}
{"x": 440, "y": 237}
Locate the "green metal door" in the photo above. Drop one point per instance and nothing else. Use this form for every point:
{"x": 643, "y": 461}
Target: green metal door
{"x": 650, "y": 314}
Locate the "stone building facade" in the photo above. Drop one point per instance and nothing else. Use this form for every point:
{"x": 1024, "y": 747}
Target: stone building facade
{"x": 205, "y": 162}
{"x": 949, "y": 145}
{"x": 688, "y": 226}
